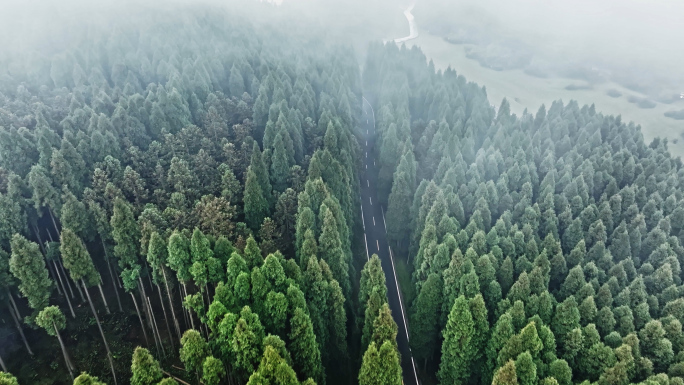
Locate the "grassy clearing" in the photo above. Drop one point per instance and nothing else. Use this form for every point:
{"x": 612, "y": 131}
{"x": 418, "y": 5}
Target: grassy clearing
{"x": 525, "y": 91}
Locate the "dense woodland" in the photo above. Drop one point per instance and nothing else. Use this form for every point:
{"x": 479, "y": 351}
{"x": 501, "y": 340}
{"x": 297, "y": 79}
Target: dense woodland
{"x": 178, "y": 205}
{"x": 545, "y": 248}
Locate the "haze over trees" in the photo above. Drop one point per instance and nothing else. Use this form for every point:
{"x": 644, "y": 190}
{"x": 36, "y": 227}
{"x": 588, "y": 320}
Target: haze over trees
{"x": 179, "y": 204}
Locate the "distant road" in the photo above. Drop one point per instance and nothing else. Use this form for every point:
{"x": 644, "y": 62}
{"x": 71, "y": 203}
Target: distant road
{"x": 413, "y": 29}
{"x": 375, "y": 238}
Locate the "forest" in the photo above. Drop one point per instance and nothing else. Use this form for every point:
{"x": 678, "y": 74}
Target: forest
{"x": 179, "y": 205}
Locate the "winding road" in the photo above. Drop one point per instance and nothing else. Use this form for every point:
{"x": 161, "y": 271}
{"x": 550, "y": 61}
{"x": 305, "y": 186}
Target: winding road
{"x": 413, "y": 29}
{"x": 373, "y": 217}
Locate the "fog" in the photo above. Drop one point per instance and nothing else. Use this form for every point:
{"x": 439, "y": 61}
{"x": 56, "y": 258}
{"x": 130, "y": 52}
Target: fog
{"x": 634, "y": 42}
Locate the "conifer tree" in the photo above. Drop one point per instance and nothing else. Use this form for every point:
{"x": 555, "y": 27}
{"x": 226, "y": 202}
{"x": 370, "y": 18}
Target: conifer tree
{"x": 53, "y": 321}
{"x": 305, "y": 353}
{"x": 458, "y": 349}
{"x": 380, "y": 366}
{"x": 145, "y": 369}
{"x": 28, "y": 266}
{"x": 425, "y": 318}
{"x": 256, "y": 204}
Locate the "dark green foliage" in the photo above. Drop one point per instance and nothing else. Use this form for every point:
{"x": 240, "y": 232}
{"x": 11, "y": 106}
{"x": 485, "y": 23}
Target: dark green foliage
{"x": 28, "y": 266}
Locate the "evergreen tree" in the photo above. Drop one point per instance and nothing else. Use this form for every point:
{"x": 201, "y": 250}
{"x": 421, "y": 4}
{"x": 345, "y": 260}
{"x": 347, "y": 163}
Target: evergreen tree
{"x": 380, "y": 366}
{"x": 256, "y": 204}
{"x": 458, "y": 349}
{"x": 305, "y": 353}
{"x": 28, "y": 266}
{"x": 145, "y": 369}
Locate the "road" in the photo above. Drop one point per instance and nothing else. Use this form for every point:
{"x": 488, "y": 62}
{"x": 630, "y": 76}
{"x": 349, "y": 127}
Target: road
{"x": 413, "y": 29}
{"x": 373, "y": 216}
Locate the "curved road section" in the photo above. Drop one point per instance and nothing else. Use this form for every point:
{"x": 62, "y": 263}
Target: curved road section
{"x": 375, "y": 238}
{"x": 413, "y": 29}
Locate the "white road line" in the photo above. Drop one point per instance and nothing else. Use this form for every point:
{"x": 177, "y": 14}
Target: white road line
{"x": 396, "y": 282}
{"x": 366, "y": 119}
{"x": 366, "y": 243}
{"x": 414, "y": 370}
{"x": 373, "y": 162}
{"x": 371, "y": 200}
{"x": 366, "y": 167}
{"x": 367, "y": 183}
{"x": 373, "y": 220}
{"x": 378, "y": 246}
{"x": 366, "y": 143}
{"x": 383, "y": 219}
{"x": 366, "y": 131}
{"x": 366, "y": 154}
{"x": 363, "y": 222}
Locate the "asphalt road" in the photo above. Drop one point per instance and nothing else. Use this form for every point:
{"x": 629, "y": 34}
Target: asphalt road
{"x": 376, "y": 242}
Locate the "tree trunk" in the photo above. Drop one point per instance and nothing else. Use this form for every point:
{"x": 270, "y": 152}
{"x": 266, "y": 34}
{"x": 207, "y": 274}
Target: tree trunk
{"x": 192, "y": 319}
{"x": 20, "y": 330}
{"x": 146, "y": 309}
{"x": 99, "y": 326}
{"x": 2, "y": 365}
{"x": 103, "y": 298}
{"x": 78, "y": 287}
{"x": 14, "y": 304}
{"x": 111, "y": 275}
{"x": 47, "y": 262}
{"x": 71, "y": 308}
{"x": 173, "y": 311}
{"x": 67, "y": 359}
{"x": 166, "y": 317}
{"x": 59, "y": 265}
{"x": 156, "y": 327}
{"x": 142, "y": 324}
{"x": 53, "y": 220}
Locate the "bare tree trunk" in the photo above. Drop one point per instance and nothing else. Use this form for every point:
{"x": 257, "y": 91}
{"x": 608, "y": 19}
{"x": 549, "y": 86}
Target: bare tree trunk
{"x": 78, "y": 287}
{"x": 173, "y": 311}
{"x": 14, "y": 304}
{"x": 156, "y": 327}
{"x": 99, "y": 326}
{"x": 111, "y": 275}
{"x": 2, "y": 365}
{"x": 146, "y": 309}
{"x": 20, "y": 330}
{"x": 53, "y": 220}
{"x": 192, "y": 319}
{"x": 59, "y": 265}
{"x": 67, "y": 359}
{"x": 103, "y": 298}
{"x": 142, "y": 324}
{"x": 166, "y": 317}
{"x": 71, "y": 308}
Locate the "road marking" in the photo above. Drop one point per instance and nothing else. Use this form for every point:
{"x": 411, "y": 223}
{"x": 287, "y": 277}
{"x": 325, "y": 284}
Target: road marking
{"x": 383, "y": 219}
{"x": 373, "y": 162}
{"x": 366, "y": 167}
{"x": 366, "y": 131}
{"x": 366, "y": 154}
{"x": 396, "y": 282}
{"x": 367, "y": 183}
{"x": 366, "y": 243}
{"x": 371, "y": 200}
{"x": 373, "y": 220}
{"x": 378, "y": 245}
{"x": 366, "y": 143}
{"x": 367, "y": 120}
{"x": 363, "y": 222}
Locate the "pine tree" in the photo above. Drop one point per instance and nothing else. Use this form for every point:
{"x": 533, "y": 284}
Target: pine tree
{"x": 87, "y": 379}
{"x": 28, "y": 266}
{"x": 53, "y": 321}
{"x": 380, "y": 366}
{"x": 401, "y": 197}
{"x": 458, "y": 349}
{"x": 256, "y": 205}
{"x": 212, "y": 371}
{"x": 194, "y": 349}
{"x": 305, "y": 353}
{"x": 145, "y": 369}
{"x": 425, "y": 318}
